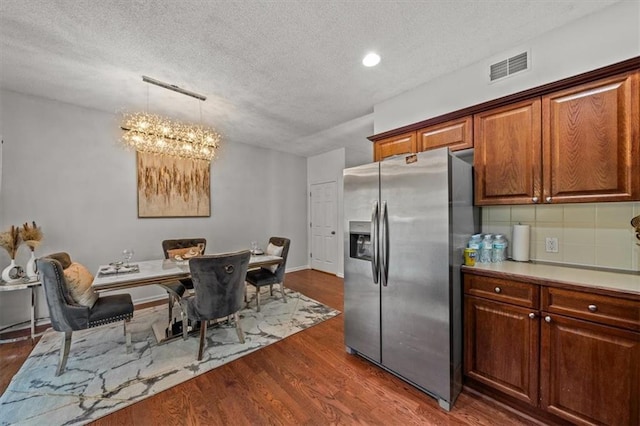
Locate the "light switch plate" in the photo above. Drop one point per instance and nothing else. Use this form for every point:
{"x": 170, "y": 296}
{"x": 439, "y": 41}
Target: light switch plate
{"x": 551, "y": 244}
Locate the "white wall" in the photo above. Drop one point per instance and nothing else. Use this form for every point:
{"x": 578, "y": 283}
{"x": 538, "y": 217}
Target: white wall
{"x": 323, "y": 168}
{"x": 64, "y": 168}
{"x": 606, "y": 37}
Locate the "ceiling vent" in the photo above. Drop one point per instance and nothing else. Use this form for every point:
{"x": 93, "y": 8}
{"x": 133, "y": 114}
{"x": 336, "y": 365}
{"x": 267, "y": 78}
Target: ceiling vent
{"x": 507, "y": 67}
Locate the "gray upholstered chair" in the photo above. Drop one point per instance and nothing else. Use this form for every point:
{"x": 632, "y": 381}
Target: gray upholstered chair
{"x": 218, "y": 281}
{"x": 266, "y": 277}
{"x": 67, "y": 316}
{"x": 179, "y": 288}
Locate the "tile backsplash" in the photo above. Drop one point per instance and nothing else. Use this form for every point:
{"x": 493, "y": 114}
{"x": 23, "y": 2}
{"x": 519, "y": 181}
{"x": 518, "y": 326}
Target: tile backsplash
{"x": 592, "y": 234}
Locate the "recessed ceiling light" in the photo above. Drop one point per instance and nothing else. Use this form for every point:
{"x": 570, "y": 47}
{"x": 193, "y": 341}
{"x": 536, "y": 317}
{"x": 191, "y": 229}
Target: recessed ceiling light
{"x": 371, "y": 60}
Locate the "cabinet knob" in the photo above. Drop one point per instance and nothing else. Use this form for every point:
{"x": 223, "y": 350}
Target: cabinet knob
{"x": 592, "y": 308}
{"x": 534, "y": 199}
{"x": 532, "y": 315}
{"x": 547, "y": 318}
{"x": 548, "y": 199}
{"x": 497, "y": 289}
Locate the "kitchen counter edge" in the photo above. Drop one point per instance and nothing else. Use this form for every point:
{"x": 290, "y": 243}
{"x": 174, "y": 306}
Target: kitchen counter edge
{"x": 602, "y": 282}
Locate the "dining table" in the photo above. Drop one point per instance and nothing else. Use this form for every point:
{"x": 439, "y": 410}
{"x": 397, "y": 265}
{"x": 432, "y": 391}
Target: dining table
{"x": 160, "y": 272}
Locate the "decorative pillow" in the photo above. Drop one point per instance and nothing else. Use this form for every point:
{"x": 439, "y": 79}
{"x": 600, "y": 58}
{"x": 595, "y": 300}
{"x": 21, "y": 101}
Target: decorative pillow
{"x": 184, "y": 253}
{"x": 273, "y": 250}
{"x": 79, "y": 281}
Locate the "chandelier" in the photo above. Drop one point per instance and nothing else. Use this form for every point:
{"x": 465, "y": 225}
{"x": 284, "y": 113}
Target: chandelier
{"x": 155, "y": 134}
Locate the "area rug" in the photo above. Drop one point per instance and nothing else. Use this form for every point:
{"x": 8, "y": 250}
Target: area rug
{"x": 101, "y": 377}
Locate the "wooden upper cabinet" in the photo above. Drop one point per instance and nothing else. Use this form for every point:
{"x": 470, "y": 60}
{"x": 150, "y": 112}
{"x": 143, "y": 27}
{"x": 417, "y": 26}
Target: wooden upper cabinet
{"x": 456, "y": 134}
{"x": 507, "y": 158}
{"x": 401, "y": 144}
{"x": 591, "y": 142}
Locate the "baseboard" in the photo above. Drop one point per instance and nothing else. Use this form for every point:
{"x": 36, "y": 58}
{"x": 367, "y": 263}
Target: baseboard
{"x": 298, "y": 268}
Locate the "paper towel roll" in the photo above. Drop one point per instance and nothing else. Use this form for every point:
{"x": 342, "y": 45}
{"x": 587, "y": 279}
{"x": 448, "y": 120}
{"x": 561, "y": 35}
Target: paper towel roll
{"x": 520, "y": 243}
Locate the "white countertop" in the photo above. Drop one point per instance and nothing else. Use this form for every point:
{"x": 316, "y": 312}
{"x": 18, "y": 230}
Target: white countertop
{"x": 616, "y": 281}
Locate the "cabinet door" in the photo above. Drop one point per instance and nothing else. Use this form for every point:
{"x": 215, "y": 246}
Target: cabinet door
{"x": 507, "y": 159}
{"x": 501, "y": 347}
{"x": 456, "y": 134}
{"x": 590, "y": 373}
{"x": 590, "y": 139}
{"x": 401, "y": 144}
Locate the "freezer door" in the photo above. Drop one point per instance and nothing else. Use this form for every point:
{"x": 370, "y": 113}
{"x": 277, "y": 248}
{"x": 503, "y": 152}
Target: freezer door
{"x": 415, "y": 299}
{"x": 361, "y": 291}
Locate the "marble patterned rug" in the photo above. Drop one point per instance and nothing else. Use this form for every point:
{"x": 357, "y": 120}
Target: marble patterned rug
{"x": 101, "y": 377}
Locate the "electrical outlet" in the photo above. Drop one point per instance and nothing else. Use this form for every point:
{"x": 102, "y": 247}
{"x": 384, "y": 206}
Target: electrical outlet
{"x": 551, "y": 244}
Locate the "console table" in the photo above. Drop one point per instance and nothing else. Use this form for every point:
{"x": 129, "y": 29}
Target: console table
{"x": 22, "y": 285}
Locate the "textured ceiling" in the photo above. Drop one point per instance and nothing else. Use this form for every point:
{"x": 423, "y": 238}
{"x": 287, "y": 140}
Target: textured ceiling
{"x": 279, "y": 74}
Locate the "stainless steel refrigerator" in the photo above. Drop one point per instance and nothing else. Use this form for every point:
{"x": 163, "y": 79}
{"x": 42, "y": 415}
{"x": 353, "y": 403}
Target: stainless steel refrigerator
{"x": 407, "y": 221}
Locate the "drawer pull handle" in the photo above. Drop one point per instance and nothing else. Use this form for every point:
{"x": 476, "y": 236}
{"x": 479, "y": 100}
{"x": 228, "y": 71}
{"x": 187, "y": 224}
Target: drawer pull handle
{"x": 532, "y": 315}
{"x": 547, "y": 318}
{"x": 592, "y": 308}
{"x": 498, "y": 290}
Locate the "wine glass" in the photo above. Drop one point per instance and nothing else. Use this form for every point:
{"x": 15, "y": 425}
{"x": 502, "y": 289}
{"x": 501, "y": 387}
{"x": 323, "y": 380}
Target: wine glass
{"x": 127, "y": 254}
{"x": 254, "y": 247}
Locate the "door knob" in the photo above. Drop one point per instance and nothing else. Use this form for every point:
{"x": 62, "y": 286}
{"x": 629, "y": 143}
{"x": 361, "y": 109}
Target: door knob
{"x": 532, "y": 315}
{"x": 333, "y": 232}
{"x": 548, "y": 199}
{"x": 534, "y": 199}
{"x": 547, "y": 318}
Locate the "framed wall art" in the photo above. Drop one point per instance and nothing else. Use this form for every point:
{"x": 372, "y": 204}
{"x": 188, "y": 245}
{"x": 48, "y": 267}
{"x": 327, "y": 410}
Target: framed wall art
{"x": 173, "y": 187}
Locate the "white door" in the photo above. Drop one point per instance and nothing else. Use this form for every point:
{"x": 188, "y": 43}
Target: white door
{"x": 324, "y": 232}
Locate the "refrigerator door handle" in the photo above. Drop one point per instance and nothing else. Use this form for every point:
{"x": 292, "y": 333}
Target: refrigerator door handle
{"x": 384, "y": 246}
{"x": 374, "y": 242}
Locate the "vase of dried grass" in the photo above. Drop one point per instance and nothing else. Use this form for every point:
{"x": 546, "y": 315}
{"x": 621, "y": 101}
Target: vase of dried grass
{"x": 31, "y": 270}
{"x": 12, "y": 272}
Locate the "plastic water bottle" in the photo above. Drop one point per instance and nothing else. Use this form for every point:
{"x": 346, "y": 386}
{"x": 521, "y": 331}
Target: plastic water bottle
{"x": 499, "y": 252}
{"x": 486, "y": 247}
{"x": 474, "y": 242}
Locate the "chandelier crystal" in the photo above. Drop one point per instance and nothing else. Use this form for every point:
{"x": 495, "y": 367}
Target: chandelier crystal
{"x": 155, "y": 134}
{"x": 152, "y": 133}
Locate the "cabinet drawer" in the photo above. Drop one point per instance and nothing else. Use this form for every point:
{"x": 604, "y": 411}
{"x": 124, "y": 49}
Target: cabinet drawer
{"x": 609, "y": 310}
{"x": 514, "y": 292}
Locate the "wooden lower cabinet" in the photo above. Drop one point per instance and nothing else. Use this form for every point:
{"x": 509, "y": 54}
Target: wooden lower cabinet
{"x": 502, "y": 342}
{"x": 589, "y": 373}
{"x": 570, "y": 356}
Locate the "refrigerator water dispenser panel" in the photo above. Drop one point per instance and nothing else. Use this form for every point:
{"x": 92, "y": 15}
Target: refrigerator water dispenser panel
{"x": 360, "y": 240}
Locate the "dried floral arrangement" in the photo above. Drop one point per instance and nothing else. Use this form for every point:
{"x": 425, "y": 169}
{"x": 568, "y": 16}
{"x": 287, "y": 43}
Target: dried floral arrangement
{"x": 10, "y": 240}
{"x": 32, "y": 235}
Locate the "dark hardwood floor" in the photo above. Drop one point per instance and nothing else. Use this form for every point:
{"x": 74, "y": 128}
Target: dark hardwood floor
{"x": 307, "y": 378}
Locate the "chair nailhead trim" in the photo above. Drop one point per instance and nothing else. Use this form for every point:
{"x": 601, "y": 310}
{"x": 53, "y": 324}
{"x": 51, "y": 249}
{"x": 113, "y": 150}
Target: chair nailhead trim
{"x": 110, "y": 320}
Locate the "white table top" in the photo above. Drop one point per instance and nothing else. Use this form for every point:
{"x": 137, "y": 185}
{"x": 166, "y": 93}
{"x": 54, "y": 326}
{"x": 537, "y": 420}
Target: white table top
{"x": 160, "y": 271}
{"x": 18, "y": 285}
